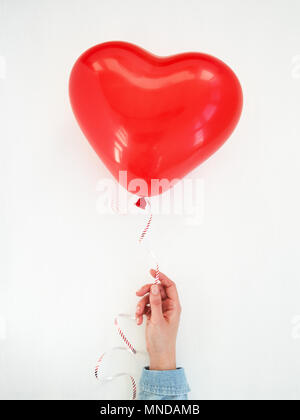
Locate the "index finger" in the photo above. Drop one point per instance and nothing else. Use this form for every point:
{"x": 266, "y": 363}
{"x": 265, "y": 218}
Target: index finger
{"x": 169, "y": 285}
{"x": 146, "y": 289}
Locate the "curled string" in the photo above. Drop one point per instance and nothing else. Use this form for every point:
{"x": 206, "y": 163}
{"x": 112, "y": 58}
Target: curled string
{"x": 143, "y": 203}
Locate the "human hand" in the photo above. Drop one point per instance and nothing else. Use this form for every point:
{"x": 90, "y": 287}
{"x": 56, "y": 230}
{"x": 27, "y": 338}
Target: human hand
{"x": 160, "y": 303}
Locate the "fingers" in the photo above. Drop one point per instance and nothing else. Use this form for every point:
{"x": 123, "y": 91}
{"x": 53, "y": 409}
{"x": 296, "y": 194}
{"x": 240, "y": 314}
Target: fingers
{"x": 169, "y": 286}
{"x": 157, "y": 296}
{"x": 155, "y": 304}
{"x": 141, "y": 309}
{"x": 146, "y": 289}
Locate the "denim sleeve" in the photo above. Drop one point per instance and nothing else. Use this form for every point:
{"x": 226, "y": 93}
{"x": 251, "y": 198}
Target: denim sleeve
{"x": 163, "y": 385}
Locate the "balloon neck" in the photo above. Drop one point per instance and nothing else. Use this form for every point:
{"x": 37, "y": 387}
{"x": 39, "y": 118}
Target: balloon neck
{"x": 141, "y": 203}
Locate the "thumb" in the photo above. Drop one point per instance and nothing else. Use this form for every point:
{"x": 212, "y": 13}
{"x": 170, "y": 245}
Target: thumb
{"x": 155, "y": 304}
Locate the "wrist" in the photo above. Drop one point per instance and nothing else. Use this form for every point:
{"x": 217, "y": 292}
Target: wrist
{"x": 163, "y": 361}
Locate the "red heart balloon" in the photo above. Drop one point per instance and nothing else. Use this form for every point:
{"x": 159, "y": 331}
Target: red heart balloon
{"x": 154, "y": 117}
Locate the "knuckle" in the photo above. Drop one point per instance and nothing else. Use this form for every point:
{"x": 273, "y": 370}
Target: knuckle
{"x": 156, "y": 321}
{"x": 156, "y": 301}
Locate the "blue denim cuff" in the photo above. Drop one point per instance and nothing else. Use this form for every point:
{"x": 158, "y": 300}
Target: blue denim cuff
{"x": 164, "y": 382}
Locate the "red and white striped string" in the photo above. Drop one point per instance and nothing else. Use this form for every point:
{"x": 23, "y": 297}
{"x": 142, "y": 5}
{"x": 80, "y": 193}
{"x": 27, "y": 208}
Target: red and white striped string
{"x": 143, "y": 234}
{"x": 143, "y": 203}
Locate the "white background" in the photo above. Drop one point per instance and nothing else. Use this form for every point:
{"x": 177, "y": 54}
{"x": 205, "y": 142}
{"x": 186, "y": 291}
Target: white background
{"x": 66, "y": 270}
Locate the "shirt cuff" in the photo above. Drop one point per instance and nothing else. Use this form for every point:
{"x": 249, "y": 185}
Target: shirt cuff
{"x": 164, "y": 382}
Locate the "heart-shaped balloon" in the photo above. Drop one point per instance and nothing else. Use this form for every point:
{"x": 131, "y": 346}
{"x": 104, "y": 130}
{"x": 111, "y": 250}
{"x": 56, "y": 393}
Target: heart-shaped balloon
{"x": 153, "y": 119}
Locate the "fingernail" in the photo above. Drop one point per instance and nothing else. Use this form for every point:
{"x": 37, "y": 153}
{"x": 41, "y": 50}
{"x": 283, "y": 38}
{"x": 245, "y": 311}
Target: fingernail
{"x": 138, "y": 308}
{"x": 155, "y": 289}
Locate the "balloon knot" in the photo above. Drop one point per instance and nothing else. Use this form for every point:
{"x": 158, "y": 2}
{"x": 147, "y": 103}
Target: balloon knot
{"x": 141, "y": 203}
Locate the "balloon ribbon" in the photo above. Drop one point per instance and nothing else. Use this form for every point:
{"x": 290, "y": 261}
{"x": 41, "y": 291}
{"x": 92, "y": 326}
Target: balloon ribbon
{"x": 143, "y": 203}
